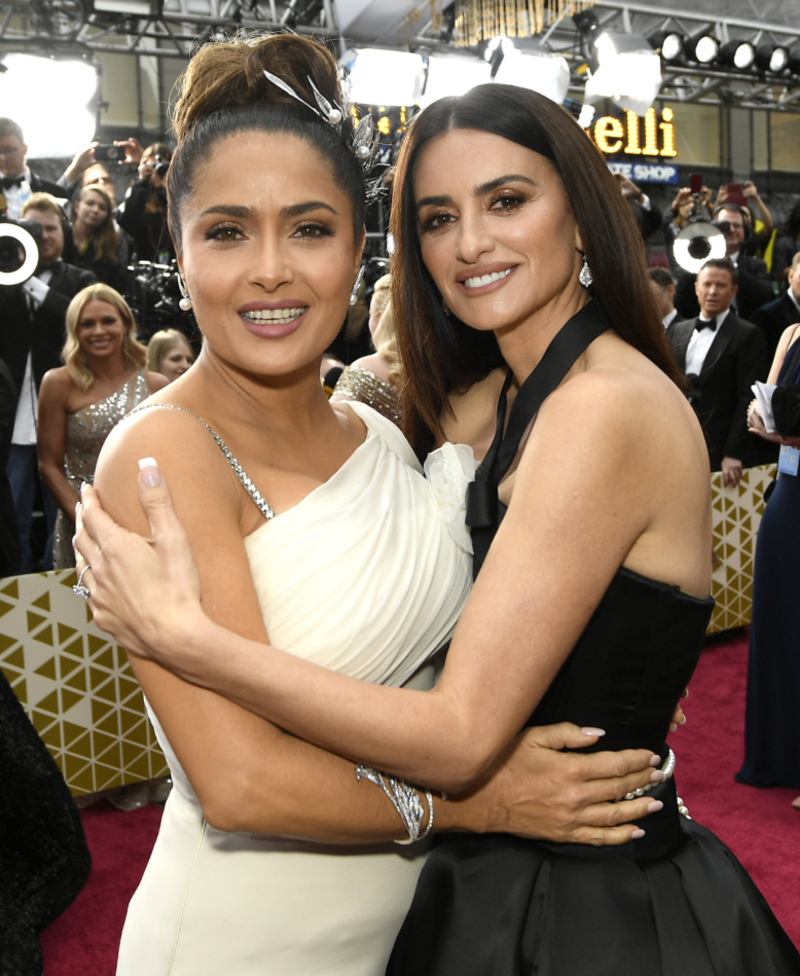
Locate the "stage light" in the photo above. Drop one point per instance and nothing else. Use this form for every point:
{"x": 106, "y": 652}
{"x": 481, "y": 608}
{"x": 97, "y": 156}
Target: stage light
{"x": 382, "y": 77}
{"x": 130, "y": 8}
{"x": 66, "y": 88}
{"x": 793, "y": 61}
{"x": 629, "y": 72}
{"x": 737, "y": 54}
{"x": 547, "y": 74}
{"x": 702, "y": 47}
{"x": 668, "y": 44}
{"x": 772, "y": 57}
{"x": 453, "y": 74}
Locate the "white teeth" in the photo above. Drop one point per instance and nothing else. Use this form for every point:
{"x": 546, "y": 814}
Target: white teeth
{"x": 487, "y": 279}
{"x": 264, "y": 315}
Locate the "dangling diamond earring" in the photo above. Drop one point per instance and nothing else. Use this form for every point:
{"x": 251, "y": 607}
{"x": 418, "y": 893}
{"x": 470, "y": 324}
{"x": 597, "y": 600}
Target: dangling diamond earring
{"x": 585, "y": 277}
{"x": 356, "y": 286}
{"x": 185, "y": 303}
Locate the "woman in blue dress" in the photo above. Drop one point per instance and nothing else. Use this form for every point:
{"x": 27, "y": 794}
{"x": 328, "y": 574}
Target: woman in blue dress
{"x": 772, "y": 721}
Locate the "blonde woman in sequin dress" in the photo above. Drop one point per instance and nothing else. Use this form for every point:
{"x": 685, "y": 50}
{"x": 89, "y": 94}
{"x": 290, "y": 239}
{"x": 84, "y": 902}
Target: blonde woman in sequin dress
{"x": 80, "y": 403}
{"x": 374, "y": 379}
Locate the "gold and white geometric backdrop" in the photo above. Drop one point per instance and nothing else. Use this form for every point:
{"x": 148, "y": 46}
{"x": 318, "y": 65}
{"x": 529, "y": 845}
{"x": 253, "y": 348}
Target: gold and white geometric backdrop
{"x": 736, "y": 515}
{"x": 75, "y": 684}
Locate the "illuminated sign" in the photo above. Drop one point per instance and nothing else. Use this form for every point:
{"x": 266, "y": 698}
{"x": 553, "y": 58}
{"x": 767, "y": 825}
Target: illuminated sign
{"x": 636, "y": 137}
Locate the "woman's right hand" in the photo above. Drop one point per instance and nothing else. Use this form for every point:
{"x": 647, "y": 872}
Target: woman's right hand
{"x": 142, "y": 591}
{"x": 540, "y": 792}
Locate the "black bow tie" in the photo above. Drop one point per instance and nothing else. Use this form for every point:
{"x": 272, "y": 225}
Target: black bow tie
{"x": 711, "y": 324}
{"x": 9, "y": 181}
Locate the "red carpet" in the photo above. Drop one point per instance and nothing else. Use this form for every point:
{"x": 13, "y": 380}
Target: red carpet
{"x": 759, "y": 825}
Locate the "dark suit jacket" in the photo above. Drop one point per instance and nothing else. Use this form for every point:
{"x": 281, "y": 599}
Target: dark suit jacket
{"x": 9, "y": 536}
{"x": 40, "y": 185}
{"x": 773, "y": 318}
{"x": 755, "y": 289}
{"x": 736, "y": 359}
{"x": 43, "y": 333}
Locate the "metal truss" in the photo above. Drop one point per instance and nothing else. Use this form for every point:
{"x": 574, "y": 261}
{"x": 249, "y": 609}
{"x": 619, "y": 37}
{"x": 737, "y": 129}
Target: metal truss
{"x": 26, "y": 24}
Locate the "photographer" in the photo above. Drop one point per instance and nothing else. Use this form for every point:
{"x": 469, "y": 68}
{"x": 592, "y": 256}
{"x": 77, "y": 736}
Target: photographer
{"x": 31, "y": 339}
{"x": 143, "y": 212}
{"x": 18, "y": 180}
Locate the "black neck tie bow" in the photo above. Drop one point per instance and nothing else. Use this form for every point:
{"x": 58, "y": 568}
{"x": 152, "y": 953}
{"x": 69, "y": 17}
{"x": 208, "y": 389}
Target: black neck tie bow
{"x": 9, "y": 181}
{"x": 710, "y": 324}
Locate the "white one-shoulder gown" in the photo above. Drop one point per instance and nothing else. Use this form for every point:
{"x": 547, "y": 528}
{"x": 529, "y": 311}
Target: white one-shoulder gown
{"x": 367, "y": 576}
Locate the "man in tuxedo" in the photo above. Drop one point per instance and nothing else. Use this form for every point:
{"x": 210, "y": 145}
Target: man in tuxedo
{"x": 776, "y": 316}
{"x": 662, "y": 285}
{"x": 14, "y": 171}
{"x": 32, "y": 334}
{"x": 722, "y": 356}
{"x": 754, "y": 288}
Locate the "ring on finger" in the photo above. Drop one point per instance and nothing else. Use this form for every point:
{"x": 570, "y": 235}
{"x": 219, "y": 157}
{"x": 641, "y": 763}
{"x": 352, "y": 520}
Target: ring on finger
{"x": 80, "y": 589}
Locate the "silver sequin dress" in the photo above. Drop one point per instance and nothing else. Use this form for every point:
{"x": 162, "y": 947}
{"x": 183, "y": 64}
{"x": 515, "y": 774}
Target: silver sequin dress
{"x": 87, "y": 431}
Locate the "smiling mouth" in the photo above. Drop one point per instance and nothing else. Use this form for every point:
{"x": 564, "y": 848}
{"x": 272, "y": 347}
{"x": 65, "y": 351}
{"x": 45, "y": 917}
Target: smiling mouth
{"x": 273, "y": 316}
{"x": 487, "y": 279}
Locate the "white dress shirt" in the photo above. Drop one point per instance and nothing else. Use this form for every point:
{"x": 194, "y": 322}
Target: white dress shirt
{"x": 700, "y": 343}
{"x": 27, "y": 414}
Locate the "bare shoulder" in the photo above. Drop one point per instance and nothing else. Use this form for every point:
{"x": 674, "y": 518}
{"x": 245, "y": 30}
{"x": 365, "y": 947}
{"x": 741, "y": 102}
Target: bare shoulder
{"x": 58, "y": 380}
{"x": 155, "y": 381}
{"x": 187, "y": 455}
{"x": 375, "y": 363}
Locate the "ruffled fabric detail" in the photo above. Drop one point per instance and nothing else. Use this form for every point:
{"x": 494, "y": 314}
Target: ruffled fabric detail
{"x": 449, "y": 469}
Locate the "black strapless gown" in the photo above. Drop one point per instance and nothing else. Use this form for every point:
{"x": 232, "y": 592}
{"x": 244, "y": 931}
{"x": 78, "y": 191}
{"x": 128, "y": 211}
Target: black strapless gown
{"x": 675, "y": 903}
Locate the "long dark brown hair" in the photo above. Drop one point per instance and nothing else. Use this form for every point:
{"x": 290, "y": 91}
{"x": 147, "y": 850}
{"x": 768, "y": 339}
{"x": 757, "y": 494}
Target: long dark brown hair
{"x": 439, "y": 353}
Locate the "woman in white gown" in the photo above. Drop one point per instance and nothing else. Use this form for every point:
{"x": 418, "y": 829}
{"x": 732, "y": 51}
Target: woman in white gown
{"x": 314, "y": 528}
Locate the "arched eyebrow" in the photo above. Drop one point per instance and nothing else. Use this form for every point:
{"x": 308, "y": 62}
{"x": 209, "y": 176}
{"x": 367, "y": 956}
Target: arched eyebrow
{"x": 290, "y": 210}
{"x": 480, "y": 190}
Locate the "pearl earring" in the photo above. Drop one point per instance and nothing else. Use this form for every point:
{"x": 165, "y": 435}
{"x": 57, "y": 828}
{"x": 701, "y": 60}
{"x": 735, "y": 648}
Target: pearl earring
{"x": 185, "y": 303}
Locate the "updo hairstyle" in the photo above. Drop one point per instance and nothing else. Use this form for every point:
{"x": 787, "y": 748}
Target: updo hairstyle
{"x": 439, "y": 353}
{"x": 224, "y": 91}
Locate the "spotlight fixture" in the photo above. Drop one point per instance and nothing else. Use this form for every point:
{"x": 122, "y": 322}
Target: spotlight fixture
{"x": 453, "y": 74}
{"x": 383, "y": 77}
{"x": 547, "y": 74}
{"x": 772, "y": 57}
{"x": 586, "y": 21}
{"x": 737, "y": 54}
{"x": 628, "y": 72}
{"x": 130, "y": 8}
{"x": 793, "y": 61}
{"x": 668, "y": 43}
{"x": 702, "y": 47}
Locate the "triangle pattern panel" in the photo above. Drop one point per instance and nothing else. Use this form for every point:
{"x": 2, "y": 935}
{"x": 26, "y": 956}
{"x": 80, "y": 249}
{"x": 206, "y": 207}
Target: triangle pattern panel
{"x": 75, "y": 684}
{"x": 735, "y": 516}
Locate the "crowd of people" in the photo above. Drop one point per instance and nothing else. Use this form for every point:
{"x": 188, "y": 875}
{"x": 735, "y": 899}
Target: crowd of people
{"x": 520, "y": 333}
{"x": 57, "y": 416}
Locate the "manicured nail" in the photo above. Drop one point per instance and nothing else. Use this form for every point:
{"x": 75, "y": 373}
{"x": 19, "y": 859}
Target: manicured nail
{"x": 683, "y": 720}
{"x": 588, "y": 730}
{"x": 151, "y": 476}
{"x": 672, "y": 727}
{"x": 656, "y": 776}
{"x": 655, "y": 806}
{"x": 637, "y": 834}
{"x": 655, "y": 761}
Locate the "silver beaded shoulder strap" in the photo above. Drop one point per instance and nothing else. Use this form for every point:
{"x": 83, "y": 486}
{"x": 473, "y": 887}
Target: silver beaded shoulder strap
{"x": 238, "y": 470}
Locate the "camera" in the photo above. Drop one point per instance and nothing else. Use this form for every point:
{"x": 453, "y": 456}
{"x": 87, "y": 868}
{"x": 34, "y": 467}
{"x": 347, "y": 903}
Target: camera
{"x": 154, "y": 295}
{"x": 161, "y": 167}
{"x": 19, "y": 250}
{"x": 108, "y": 153}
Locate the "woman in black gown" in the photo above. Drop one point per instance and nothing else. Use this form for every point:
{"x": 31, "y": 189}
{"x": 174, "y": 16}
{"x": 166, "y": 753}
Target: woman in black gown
{"x": 772, "y": 721}
{"x": 593, "y": 602}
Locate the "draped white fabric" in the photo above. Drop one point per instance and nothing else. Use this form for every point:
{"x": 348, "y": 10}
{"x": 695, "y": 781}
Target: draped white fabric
{"x": 364, "y": 577}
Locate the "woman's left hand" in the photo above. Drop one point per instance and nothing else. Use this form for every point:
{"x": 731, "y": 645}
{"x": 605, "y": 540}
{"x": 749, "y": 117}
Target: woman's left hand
{"x": 140, "y": 589}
